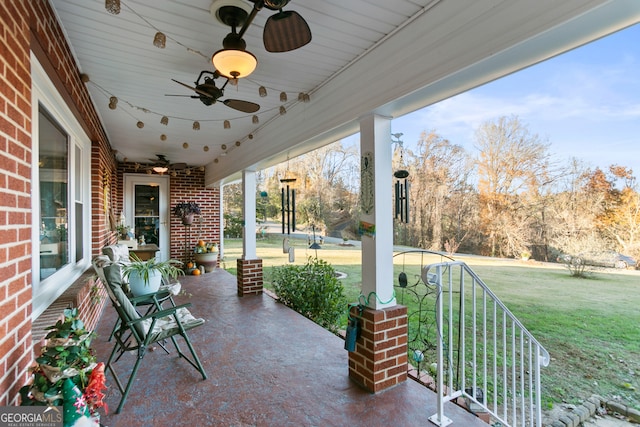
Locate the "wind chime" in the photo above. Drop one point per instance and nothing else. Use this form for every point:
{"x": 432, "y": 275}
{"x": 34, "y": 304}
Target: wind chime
{"x": 288, "y": 198}
{"x": 401, "y": 186}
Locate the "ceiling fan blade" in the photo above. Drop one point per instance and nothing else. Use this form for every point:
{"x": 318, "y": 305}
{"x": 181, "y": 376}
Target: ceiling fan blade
{"x": 179, "y": 166}
{"x": 244, "y": 106}
{"x": 285, "y": 31}
{"x": 198, "y": 91}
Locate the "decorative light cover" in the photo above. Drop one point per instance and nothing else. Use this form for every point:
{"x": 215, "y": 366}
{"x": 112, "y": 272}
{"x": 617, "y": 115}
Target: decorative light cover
{"x": 283, "y": 96}
{"x": 160, "y": 169}
{"x": 164, "y": 120}
{"x": 306, "y": 98}
{"x": 262, "y": 91}
{"x": 255, "y": 120}
{"x": 234, "y": 63}
{"x": 112, "y": 6}
{"x": 227, "y": 124}
{"x": 196, "y": 125}
{"x": 283, "y": 110}
{"x": 160, "y": 40}
{"x": 113, "y": 102}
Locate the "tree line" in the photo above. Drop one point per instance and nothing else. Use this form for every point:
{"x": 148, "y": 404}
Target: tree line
{"x": 507, "y": 198}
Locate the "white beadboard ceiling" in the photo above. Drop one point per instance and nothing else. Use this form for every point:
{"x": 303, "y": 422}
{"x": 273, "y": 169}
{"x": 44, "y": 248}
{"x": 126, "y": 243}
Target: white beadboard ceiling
{"x": 385, "y": 57}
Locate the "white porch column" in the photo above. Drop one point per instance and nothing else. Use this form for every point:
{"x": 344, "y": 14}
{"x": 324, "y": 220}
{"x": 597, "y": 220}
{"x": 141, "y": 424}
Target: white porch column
{"x": 249, "y": 275}
{"x": 249, "y": 215}
{"x": 379, "y": 359}
{"x": 377, "y": 214}
{"x": 221, "y": 222}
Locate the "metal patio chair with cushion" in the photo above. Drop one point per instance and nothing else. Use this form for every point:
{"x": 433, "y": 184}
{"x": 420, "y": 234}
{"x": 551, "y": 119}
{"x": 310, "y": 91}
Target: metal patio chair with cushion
{"x": 120, "y": 254}
{"x": 137, "y": 333}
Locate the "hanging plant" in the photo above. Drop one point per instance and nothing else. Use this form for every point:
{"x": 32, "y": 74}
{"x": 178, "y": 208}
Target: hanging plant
{"x": 186, "y": 211}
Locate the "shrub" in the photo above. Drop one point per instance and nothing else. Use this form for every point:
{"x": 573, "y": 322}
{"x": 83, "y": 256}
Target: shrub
{"x": 312, "y": 290}
{"x": 232, "y": 226}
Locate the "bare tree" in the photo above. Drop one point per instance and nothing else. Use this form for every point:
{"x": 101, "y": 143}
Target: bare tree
{"x": 512, "y": 165}
{"x": 438, "y": 169}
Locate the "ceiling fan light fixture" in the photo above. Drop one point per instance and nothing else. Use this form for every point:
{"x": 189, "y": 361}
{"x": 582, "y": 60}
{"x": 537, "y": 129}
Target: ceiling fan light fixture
{"x": 234, "y": 63}
{"x": 160, "y": 169}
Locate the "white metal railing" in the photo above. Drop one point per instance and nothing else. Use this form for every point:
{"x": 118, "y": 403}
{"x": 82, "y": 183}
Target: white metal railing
{"x": 484, "y": 354}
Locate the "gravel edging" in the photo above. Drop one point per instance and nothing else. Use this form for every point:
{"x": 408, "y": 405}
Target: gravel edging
{"x": 590, "y": 408}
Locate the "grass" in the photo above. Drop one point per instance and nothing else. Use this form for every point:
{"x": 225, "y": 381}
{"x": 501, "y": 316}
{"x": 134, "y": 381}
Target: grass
{"x": 591, "y": 327}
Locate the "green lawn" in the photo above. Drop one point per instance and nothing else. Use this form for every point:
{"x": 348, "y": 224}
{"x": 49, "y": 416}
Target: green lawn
{"x": 591, "y": 327}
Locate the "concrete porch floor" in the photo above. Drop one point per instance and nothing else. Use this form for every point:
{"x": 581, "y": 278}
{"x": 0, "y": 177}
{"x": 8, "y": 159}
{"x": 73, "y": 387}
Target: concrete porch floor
{"x": 266, "y": 365}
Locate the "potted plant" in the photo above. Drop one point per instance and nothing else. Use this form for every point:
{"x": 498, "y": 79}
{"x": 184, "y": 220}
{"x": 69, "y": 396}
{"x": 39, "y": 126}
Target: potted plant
{"x": 186, "y": 211}
{"x": 145, "y": 277}
{"x": 206, "y": 254}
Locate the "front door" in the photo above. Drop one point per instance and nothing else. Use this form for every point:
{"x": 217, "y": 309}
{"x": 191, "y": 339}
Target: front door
{"x": 147, "y": 209}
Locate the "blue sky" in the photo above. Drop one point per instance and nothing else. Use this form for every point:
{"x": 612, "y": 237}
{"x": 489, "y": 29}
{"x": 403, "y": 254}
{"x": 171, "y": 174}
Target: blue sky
{"x": 585, "y": 103}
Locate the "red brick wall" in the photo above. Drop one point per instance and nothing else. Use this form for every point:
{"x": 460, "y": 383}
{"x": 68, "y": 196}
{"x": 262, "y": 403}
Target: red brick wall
{"x": 380, "y": 359}
{"x": 30, "y": 25}
{"x": 249, "y": 277}
{"x": 15, "y": 213}
{"x": 185, "y": 188}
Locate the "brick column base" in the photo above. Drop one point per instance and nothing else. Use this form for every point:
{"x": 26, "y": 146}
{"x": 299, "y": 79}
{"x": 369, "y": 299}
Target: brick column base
{"x": 380, "y": 358}
{"x": 249, "y": 277}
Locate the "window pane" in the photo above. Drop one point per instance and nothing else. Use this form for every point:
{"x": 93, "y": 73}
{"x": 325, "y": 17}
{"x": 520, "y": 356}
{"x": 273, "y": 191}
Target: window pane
{"x": 147, "y": 213}
{"x": 54, "y": 177}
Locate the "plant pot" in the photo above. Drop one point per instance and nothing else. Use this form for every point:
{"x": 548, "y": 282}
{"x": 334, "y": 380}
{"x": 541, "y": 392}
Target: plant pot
{"x": 187, "y": 219}
{"x": 209, "y": 260}
{"x": 139, "y": 287}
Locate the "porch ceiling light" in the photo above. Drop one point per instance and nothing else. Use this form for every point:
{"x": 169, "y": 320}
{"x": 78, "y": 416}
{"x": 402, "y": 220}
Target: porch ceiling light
{"x": 234, "y": 61}
{"x": 160, "y": 169}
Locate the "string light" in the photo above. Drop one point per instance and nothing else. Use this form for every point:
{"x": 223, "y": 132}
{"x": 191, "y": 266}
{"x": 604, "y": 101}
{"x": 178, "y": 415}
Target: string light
{"x": 160, "y": 40}
{"x": 255, "y": 120}
{"x": 113, "y": 102}
{"x": 283, "y": 96}
{"x": 164, "y": 120}
{"x": 205, "y": 148}
{"x": 196, "y": 125}
{"x": 262, "y": 91}
{"x": 163, "y": 137}
{"x": 223, "y": 146}
{"x": 185, "y": 145}
{"x": 140, "y": 124}
{"x": 238, "y": 143}
{"x": 283, "y": 110}
{"x": 227, "y": 124}
{"x": 112, "y": 6}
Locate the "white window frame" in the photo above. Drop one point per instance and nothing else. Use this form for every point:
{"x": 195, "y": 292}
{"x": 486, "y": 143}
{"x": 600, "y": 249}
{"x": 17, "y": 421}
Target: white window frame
{"x": 44, "y": 93}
